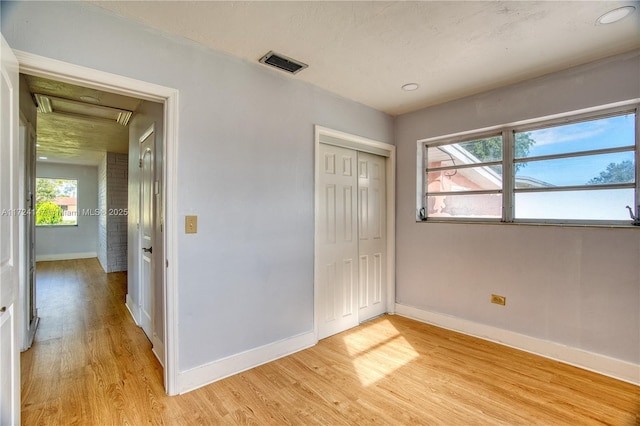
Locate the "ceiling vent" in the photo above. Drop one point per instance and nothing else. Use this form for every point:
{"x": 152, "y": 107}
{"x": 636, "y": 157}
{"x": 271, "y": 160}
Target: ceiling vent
{"x": 282, "y": 62}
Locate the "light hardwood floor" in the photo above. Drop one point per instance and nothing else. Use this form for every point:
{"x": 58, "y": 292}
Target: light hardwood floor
{"x": 91, "y": 365}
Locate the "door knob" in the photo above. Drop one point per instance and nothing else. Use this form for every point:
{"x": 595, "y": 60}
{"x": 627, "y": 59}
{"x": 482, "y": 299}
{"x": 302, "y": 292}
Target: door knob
{"x": 3, "y": 310}
{"x": 147, "y": 250}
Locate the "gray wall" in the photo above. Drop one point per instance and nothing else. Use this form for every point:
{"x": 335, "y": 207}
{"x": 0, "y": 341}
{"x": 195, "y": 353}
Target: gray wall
{"x": 245, "y": 167}
{"x": 574, "y": 286}
{"x": 68, "y": 242}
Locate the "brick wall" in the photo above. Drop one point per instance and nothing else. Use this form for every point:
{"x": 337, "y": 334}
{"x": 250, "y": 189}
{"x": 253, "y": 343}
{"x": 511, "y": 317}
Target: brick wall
{"x": 117, "y": 195}
{"x": 102, "y": 219}
{"x": 113, "y": 176}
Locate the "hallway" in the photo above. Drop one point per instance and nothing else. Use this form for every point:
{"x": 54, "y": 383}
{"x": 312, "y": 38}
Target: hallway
{"x": 87, "y": 353}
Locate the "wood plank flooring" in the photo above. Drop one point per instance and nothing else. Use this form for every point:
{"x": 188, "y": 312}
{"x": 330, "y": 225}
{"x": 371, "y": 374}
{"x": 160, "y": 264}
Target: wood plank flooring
{"x": 91, "y": 365}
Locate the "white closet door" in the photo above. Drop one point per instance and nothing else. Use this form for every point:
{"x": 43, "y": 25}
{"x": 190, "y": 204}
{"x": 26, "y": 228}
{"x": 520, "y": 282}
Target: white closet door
{"x": 372, "y": 248}
{"x": 337, "y": 268}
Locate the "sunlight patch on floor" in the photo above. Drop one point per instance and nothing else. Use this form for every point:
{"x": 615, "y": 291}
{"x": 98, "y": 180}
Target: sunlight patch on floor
{"x": 377, "y": 351}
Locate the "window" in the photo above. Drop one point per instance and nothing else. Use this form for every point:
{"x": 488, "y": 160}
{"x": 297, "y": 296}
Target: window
{"x": 464, "y": 179}
{"x": 56, "y": 201}
{"x": 578, "y": 169}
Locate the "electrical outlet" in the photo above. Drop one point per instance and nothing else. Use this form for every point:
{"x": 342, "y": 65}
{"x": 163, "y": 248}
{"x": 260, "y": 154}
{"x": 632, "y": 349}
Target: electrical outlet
{"x": 498, "y": 300}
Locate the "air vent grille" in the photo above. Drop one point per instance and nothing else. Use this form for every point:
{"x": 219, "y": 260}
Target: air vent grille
{"x": 282, "y": 62}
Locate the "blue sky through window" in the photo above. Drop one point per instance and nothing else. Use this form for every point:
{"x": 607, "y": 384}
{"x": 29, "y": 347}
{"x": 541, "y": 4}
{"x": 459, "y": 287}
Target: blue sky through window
{"x": 604, "y": 133}
{"x": 608, "y": 132}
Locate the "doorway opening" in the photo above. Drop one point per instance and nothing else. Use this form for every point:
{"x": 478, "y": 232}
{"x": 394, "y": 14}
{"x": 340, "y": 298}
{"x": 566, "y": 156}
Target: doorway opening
{"x": 166, "y": 100}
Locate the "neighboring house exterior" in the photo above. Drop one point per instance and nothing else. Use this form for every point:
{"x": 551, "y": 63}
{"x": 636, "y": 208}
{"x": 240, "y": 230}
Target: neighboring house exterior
{"x": 480, "y": 178}
{"x": 69, "y": 205}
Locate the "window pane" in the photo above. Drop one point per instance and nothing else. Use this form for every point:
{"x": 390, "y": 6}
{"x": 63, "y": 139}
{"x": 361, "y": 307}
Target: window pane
{"x": 467, "y": 179}
{"x": 610, "y": 132}
{"x": 469, "y": 152}
{"x": 56, "y": 201}
{"x": 465, "y": 205}
{"x": 485, "y": 150}
{"x": 587, "y": 170}
{"x": 607, "y": 204}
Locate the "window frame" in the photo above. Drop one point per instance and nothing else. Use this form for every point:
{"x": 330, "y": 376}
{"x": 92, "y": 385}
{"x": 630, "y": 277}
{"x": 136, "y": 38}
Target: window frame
{"x": 457, "y": 140}
{"x": 56, "y": 225}
{"x": 508, "y": 132}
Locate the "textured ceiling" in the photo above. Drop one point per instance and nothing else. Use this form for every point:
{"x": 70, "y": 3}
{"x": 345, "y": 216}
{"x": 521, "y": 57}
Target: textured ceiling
{"x": 79, "y": 138}
{"x": 366, "y": 50}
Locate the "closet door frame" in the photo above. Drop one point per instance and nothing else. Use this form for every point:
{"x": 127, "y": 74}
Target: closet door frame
{"x": 328, "y": 136}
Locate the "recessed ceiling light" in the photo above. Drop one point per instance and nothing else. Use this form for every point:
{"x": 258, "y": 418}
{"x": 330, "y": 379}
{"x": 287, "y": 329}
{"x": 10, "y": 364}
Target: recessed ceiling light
{"x": 410, "y": 87}
{"x": 43, "y": 158}
{"x": 90, "y": 99}
{"x": 615, "y": 15}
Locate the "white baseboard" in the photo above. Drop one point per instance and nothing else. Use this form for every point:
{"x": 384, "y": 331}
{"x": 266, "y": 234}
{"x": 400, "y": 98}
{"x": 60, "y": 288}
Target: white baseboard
{"x": 132, "y": 308}
{"x": 65, "y": 256}
{"x": 602, "y": 364}
{"x": 158, "y": 349}
{"x": 157, "y": 346}
{"x": 217, "y": 370}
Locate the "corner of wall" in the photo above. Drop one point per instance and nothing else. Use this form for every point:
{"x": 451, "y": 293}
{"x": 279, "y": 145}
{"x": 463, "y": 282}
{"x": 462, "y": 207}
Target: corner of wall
{"x": 220, "y": 369}
{"x": 616, "y": 368}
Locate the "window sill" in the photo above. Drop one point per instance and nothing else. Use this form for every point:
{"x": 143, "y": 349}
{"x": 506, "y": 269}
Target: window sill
{"x": 552, "y": 224}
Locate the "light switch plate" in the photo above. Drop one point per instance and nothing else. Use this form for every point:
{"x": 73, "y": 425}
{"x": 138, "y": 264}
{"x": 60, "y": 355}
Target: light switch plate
{"x": 191, "y": 224}
{"x": 498, "y": 300}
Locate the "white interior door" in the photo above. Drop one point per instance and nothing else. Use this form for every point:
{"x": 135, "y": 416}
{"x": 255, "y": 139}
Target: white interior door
{"x": 9, "y": 236}
{"x": 147, "y": 216}
{"x": 372, "y": 241}
{"x": 337, "y": 245}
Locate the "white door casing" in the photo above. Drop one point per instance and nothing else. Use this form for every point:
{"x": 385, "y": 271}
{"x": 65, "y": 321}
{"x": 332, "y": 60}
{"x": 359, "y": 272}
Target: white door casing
{"x": 147, "y": 230}
{"x": 9, "y": 234}
{"x": 337, "y": 240}
{"x": 374, "y": 289}
{"x": 70, "y": 73}
{"x": 372, "y": 241}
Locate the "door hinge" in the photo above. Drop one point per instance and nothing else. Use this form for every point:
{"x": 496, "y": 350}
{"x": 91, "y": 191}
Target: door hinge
{"x": 140, "y": 163}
